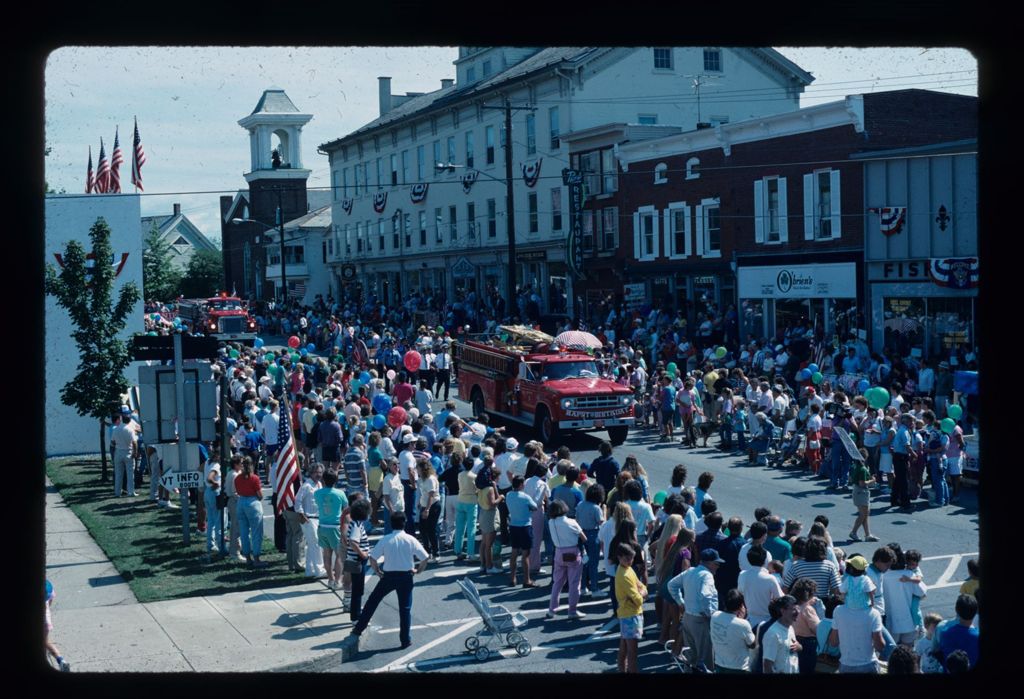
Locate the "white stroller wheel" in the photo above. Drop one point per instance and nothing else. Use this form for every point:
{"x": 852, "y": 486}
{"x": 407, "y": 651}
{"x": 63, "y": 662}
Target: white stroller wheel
{"x": 514, "y": 638}
{"x": 482, "y": 653}
{"x": 472, "y": 643}
{"x": 523, "y": 648}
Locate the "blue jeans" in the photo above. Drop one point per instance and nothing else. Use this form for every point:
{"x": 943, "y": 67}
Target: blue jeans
{"x": 593, "y": 548}
{"x": 937, "y": 472}
{"x": 725, "y": 432}
{"x": 401, "y": 584}
{"x": 840, "y": 465}
{"x": 250, "y": 525}
{"x": 465, "y": 529}
{"x": 214, "y": 522}
{"x": 741, "y": 441}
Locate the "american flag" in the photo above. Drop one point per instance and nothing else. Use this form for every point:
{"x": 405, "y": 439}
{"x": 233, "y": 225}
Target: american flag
{"x": 287, "y": 464}
{"x": 90, "y": 178}
{"x": 138, "y": 159}
{"x": 103, "y": 172}
{"x": 116, "y": 158}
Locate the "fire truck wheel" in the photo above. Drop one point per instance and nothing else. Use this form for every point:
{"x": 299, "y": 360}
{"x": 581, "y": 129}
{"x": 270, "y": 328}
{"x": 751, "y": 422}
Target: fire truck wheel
{"x": 617, "y": 435}
{"x": 477, "y": 402}
{"x": 547, "y": 428}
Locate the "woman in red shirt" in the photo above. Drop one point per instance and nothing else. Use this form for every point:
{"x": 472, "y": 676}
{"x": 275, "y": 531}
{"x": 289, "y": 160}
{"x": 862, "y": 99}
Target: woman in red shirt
{"x": 250, "y": 513}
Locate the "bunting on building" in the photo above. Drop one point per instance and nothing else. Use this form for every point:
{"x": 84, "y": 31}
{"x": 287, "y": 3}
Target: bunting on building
{"x": 955, "y": 273}
{"x": 380, "y": 200}
{"x": 346, "y": 206}
{"x": 531, "y": 172}
{"x": 468, "y": 180}
{"x": 418, "y": 193}
{"x": 891, "y": 219}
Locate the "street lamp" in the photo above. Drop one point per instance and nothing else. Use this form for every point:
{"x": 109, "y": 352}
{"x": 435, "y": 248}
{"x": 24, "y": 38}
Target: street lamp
{"x": 509, "y": 218}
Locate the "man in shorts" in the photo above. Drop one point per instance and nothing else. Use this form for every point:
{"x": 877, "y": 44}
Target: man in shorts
{"x": 630, "y": 594}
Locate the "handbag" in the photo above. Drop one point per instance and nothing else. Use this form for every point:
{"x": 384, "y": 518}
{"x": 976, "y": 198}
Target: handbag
{"x": 222, "y": 499}
{"x": 569, "y": 557}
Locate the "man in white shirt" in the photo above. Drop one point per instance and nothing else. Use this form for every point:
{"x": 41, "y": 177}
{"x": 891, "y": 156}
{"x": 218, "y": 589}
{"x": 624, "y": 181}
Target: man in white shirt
{"x": 780, "y": 646}
{"x": 694, "y": 590}
{"x": 443, "y": 368}
{"x": 758, "y": 586}
{"x": 126, "y": 449}
{"x": 858, "y": 634}
{"x": 758, "y": 536}
{"x": 897, "y": 597}
{"x": 394, "y": 560}
{"x": 732, "y": 638}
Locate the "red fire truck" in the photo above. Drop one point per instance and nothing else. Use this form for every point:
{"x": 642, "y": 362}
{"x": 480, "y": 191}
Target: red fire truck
{"x": 531, "y": 380}
{"x": 224, "y": 317}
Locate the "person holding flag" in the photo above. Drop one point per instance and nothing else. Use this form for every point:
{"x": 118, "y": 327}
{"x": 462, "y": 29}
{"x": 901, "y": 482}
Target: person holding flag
{"x": 286, "y": 468}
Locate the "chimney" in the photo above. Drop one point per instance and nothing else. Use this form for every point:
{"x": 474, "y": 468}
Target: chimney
{"x": 384, "y": 92}
{"x": 703, "y": 125}
{"x": 177, "y": 209}
{"x": 447, "y": 82}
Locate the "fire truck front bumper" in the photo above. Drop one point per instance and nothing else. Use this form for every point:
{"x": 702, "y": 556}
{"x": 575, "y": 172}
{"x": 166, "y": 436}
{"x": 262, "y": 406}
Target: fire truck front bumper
{"x": 235, "y": 337}
{"x": 595, "y": 423}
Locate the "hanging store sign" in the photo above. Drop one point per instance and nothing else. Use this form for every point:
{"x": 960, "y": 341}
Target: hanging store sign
{"x": 573, "y": 179}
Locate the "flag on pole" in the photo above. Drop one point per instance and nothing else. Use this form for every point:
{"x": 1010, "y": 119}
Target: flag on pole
{"x": 287, "y": 464}
{"x": 90, "y": 178}
{"x": 138, "y": 159}
{"x": 102, "y": 172}
{"x": 116, "y": 158}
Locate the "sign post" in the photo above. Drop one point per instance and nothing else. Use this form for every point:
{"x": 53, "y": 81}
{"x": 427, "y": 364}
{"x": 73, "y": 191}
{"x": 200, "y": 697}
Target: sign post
{"x": 179, "y": 382}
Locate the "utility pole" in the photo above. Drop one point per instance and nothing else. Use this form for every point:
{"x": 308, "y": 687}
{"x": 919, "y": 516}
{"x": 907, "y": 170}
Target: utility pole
{"x": 510, "y": 204}
{"x": 280, "y": 229}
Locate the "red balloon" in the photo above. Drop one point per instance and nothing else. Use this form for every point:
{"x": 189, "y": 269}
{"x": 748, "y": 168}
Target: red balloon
{"x": 396, "y": 416}
{"x": 294, "y": 342}
{"x": 412, "y": 360}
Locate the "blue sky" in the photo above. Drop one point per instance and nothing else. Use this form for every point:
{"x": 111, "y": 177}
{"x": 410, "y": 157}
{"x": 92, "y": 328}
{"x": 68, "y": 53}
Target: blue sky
{"x": 188, "y": 101}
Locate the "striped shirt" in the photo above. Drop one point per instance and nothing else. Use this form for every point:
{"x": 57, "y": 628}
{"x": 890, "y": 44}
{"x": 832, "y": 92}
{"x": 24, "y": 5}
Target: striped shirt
{"x": 355, "y": 470}
{"x": 824, "y": 573}
{"x": 357, "y": 532}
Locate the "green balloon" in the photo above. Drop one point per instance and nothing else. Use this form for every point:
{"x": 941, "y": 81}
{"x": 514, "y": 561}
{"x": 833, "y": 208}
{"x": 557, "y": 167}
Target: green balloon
{"x": 234, "y": 354}
{"x": 672, "y": 367}
{"x": 816, "y": 378}
{"x": 295, "y": 357}
{"x": 954, "y": 411}
{"x": 671, "y": 373}
{"x": 721, "y": 352}
{"x": 879, "y": 398}
{"x": 948, "y": 425}
{"x": 268, "y": 358}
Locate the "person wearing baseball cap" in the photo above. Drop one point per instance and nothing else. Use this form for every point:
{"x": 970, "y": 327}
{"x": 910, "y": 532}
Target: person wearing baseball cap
{"x": 694, "y": 590}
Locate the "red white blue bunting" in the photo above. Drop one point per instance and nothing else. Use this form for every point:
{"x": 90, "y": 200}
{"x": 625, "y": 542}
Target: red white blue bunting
{"x": 418, "y": 193}
{"x": 380, "y": 201}
{"x": 531, "y": 172}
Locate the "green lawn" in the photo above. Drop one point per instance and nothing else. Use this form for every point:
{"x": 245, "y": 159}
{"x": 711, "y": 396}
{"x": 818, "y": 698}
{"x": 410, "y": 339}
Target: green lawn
{"x": 144, "y": 541}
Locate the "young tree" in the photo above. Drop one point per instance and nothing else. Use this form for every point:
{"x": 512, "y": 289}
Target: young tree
{"x": 87, "y": 295}
{"x": 160, "y": 279}
{"x": 204, "y": 276}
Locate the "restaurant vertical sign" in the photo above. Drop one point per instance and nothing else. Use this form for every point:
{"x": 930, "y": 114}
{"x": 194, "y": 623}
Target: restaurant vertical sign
{"x": 573, "y": 180}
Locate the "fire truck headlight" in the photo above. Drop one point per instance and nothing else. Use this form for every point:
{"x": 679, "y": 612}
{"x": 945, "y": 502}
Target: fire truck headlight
{"x": 568, "y": 403}
{"x": 626, "y": 400}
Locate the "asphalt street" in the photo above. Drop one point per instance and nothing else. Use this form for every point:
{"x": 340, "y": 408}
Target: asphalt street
{"x": 443, "y": 619}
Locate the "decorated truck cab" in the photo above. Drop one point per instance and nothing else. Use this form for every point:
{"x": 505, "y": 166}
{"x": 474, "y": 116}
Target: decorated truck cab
{"x": 529, "y": 378}
{"x": 223, "y": 317}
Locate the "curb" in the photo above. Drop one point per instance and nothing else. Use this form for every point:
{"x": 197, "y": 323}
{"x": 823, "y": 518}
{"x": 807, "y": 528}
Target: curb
{"x": 327, "y": 663}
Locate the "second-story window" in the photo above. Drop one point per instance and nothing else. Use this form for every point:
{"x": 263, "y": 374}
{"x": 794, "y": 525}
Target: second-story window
{"x": 469, "y": 149}
{"x": 531, "y": 200}
{"x": 492, "y": 218}
{"x": 489, "y": 143}
{"x": 531, "y": 134}
{"x": 663, "y": 58}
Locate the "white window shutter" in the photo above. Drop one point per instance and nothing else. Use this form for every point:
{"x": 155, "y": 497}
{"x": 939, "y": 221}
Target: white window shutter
{"x": 654, "y": 224}
{"x": 759, "y": 211}
{"x": 638, "y": 251}
{"x": 700, "y": 230}
{"x": 688, "y": 228}
{"x": 837, "y": 219}
{"x": 783, "y": 212}
{"x": 667, "y": 231}
{"x": 809, "y": 207}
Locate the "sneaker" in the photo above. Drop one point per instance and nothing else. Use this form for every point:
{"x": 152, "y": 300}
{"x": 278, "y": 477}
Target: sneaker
{"x": 460, "y": 557}
{"x": 549, "y": 615}
{"x": 872, "y": 537}
{"x": 586, "y": 594}
{"x": 854, "y": 537}
{"x": 65, "y": 666}
{"x": 493, "y": 571}
{"x": 577, "y": 615}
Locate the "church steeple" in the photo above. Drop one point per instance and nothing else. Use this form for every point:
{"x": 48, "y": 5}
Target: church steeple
{"x": 275, "y": 138}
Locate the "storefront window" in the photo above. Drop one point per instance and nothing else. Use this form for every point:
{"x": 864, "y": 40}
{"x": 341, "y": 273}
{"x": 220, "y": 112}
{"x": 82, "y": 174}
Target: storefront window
{"x": 704, "y": 298}
{"x": 660, "y": 291}
{"x": 903, "y": 327}
{"x": 950, "y": 324}
{"x": 842, "y": 318}
{"x": 752, "y": 318}
{"x": 557, "y": 293}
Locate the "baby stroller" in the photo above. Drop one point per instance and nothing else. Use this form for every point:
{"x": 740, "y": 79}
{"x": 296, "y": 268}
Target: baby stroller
{"x": 498, "y": 622}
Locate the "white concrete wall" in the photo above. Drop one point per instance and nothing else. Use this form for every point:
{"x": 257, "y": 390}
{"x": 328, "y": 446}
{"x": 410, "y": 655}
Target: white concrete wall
{"x": 70, "y": 218}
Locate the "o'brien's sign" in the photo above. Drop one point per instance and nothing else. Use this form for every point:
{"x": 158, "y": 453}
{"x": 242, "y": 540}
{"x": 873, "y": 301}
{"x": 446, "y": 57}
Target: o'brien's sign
{"x": 837, "y": 280}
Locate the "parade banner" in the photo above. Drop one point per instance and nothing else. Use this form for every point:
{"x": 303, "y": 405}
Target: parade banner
{"x": 851, "y": 448}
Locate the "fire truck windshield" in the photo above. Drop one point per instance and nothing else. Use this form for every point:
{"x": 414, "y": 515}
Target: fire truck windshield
{"x": 570, "y": 370}
{"x": 224, "y": 305}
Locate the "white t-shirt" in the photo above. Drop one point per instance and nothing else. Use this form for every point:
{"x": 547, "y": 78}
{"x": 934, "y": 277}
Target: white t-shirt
{"x": 207, "y": 468}
{"x": 759, "y": 588}
{"x": 605, "y": 535}
{"x": 897, "y": 596}
{"x": 507, "y": 461}
{"x": 426, "y": 488}
{"x": 731, "y": 638}
{"x": 776, "y": 642}
{"x": 745, "y": 564}
{"x": 814, "y": 423}
{"x": 855, "y": 627}
{"x": 423, "y": 400}
{"x": 393, "y": 492}
{"x": 406, "y": 464}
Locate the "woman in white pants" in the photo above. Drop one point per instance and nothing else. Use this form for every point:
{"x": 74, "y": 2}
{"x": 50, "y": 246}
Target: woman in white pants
{"x": 306, "y": 509}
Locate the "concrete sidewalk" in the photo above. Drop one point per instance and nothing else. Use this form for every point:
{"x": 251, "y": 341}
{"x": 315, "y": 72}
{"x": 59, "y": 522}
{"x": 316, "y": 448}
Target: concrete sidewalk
{"x": 101, "y": 627}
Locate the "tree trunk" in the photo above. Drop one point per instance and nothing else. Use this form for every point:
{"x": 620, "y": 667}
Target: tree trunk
{"x": 103, "y": 448}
